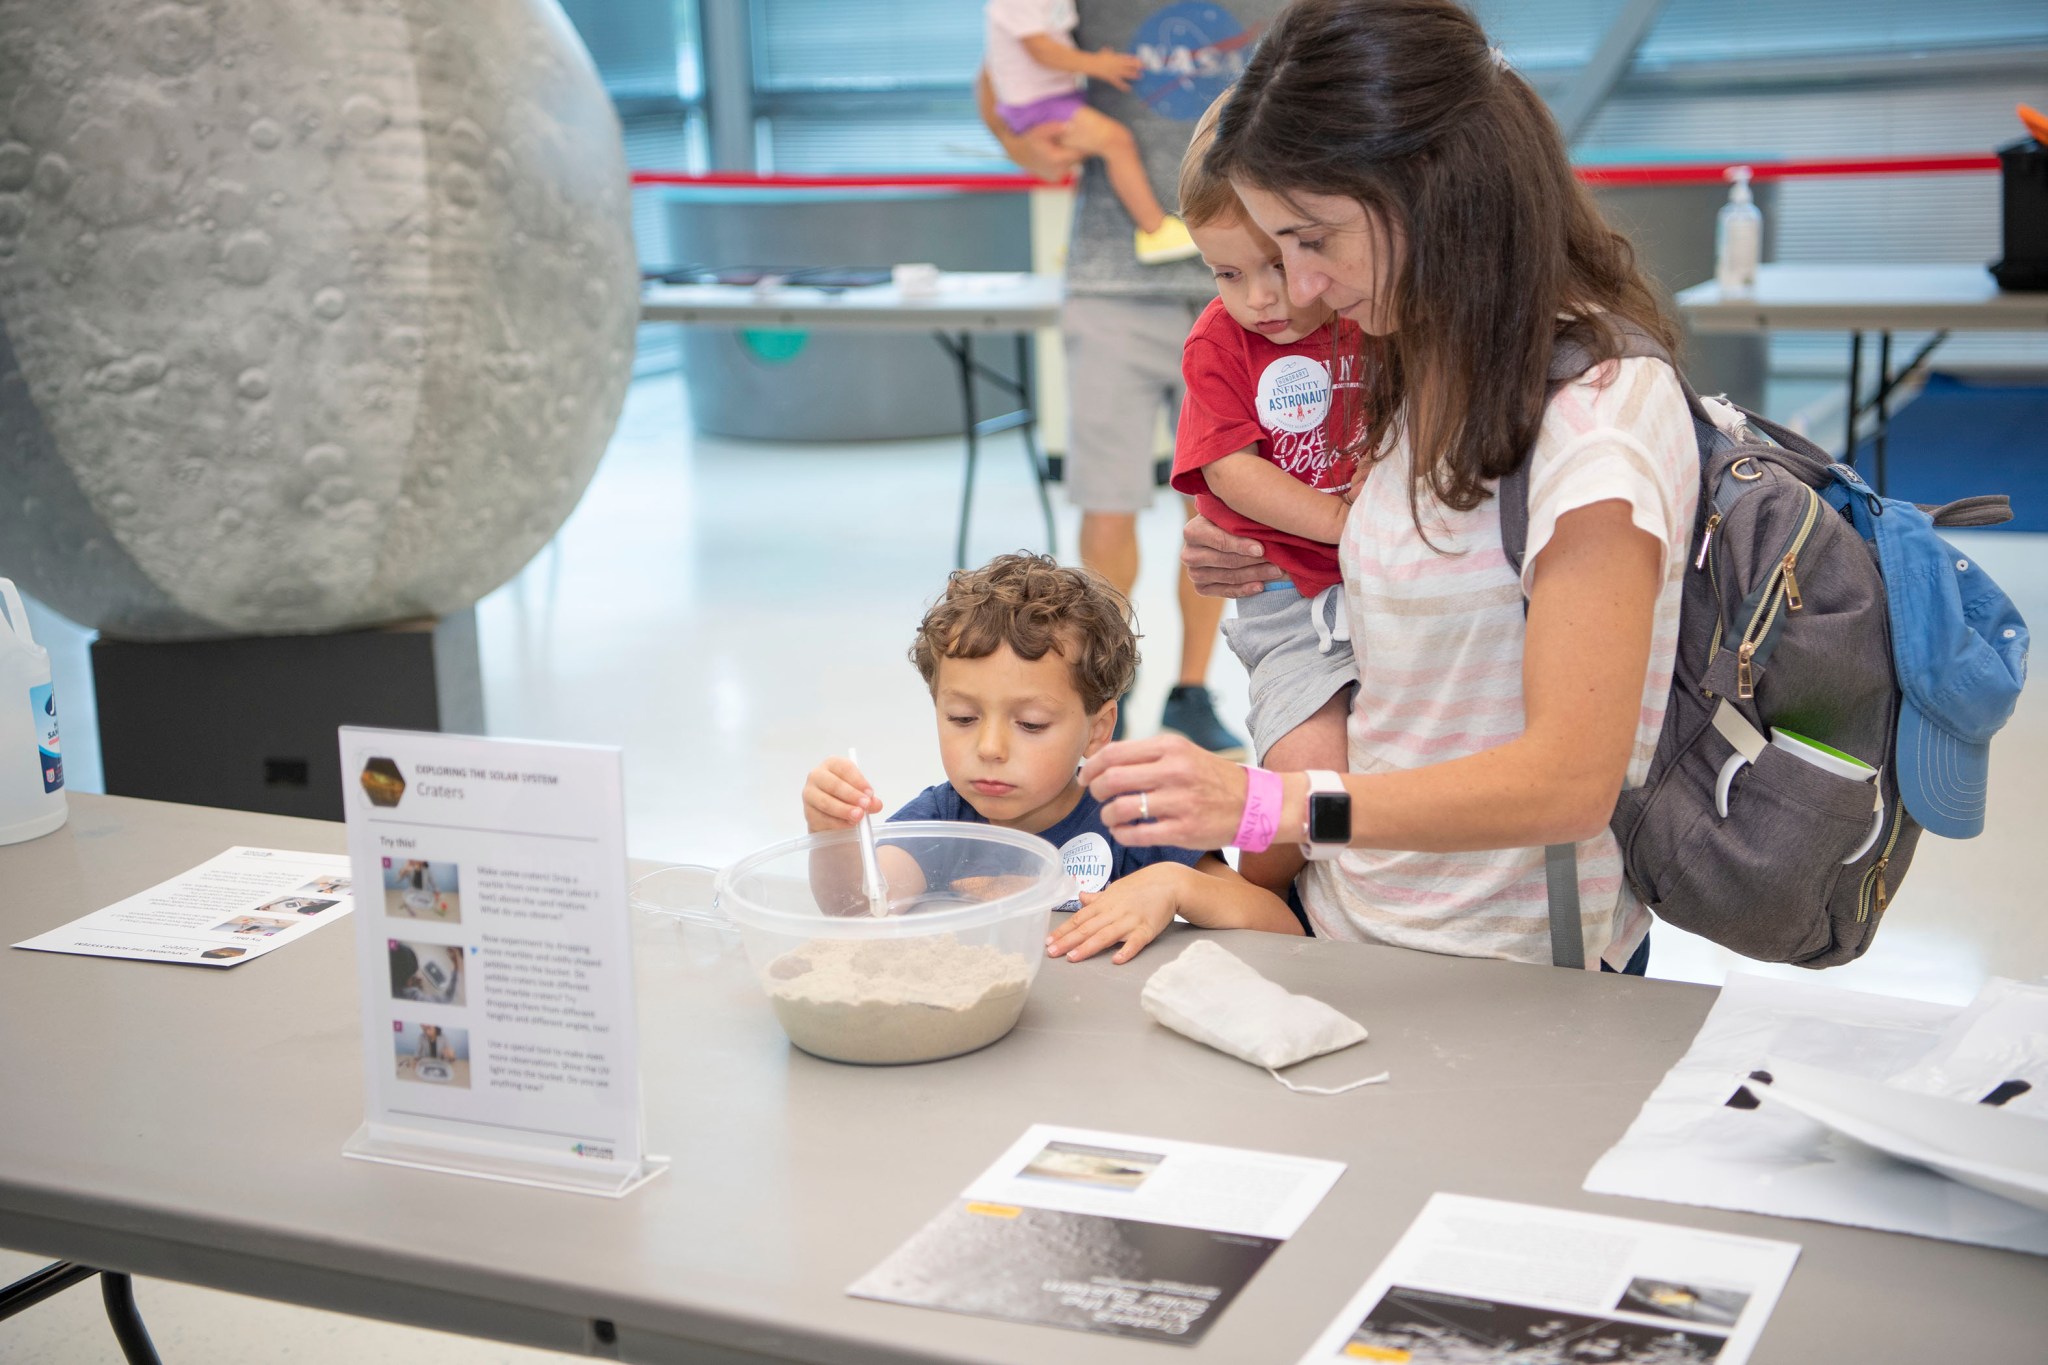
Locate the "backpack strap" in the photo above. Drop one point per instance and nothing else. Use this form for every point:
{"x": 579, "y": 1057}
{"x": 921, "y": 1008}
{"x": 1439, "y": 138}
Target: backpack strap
{"x": 1561, "y": 888}
{"x": 1986, "y": 509}
{"x": 1569, "y": 359}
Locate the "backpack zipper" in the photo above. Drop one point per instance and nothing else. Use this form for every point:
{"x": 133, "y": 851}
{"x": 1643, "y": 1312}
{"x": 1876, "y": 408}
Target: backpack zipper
{"x": 1875, "y": 877}
{"x": 1707, "y": 557}
{"x": 1707, "y": 540}
{"x": 1783, "y": 584}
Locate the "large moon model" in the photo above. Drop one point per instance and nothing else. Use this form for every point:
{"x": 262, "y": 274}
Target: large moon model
{"x": 312, "y": 315}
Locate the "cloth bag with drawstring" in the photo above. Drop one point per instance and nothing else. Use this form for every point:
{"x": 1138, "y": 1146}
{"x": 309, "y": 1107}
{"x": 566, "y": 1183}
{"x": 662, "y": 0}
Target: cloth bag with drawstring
{"x": 1216, "y": 998}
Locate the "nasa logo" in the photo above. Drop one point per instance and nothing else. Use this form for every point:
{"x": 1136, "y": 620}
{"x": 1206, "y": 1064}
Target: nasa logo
{"x": 1191, "y": 53}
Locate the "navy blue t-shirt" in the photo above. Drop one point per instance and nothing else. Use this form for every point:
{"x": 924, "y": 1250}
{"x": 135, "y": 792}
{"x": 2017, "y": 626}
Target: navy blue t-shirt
{"x": 1090, "y": 852}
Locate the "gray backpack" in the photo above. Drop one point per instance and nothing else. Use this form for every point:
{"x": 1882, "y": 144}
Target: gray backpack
{"x": 1782, "y": 623}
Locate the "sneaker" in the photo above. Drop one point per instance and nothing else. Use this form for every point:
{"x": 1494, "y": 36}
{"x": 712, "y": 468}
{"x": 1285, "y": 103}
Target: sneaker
{"x": 1190, "y": 712}
{"x": 1170, "y": 243}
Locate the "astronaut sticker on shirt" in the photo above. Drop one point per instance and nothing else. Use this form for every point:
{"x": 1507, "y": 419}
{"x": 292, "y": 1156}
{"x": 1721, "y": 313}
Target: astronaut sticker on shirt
{"x": 1087, "y": 860}
{"x": 1293, "y": 405}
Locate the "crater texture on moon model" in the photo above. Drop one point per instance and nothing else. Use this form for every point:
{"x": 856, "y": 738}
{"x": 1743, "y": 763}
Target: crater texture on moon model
{"x": 311, "y": 316}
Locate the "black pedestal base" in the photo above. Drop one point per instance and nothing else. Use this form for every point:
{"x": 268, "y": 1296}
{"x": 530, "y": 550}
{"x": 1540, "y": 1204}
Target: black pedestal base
{"x": 249, "y": 724}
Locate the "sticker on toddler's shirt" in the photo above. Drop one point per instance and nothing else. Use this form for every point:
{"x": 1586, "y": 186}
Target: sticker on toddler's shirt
{"x": 1087, "y": 861}
{"x": 1294, "y": 394}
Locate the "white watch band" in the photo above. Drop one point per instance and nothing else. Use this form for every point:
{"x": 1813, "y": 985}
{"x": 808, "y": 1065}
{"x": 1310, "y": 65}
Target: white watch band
{"x": 1320, "y": 780}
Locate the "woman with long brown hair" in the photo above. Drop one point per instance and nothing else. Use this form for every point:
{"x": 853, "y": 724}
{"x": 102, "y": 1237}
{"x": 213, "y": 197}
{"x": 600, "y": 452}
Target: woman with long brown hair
{"x": 1417, "y": 185}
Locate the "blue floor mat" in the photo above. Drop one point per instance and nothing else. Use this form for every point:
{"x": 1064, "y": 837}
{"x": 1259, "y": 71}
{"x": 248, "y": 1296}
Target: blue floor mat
{"x": 1966, "y": 436}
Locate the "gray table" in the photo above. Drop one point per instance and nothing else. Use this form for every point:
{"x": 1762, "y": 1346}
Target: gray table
{"x": 1878, "y": 298}
{"x": 186, "y": 1123}
{"x": 967, "y": 303}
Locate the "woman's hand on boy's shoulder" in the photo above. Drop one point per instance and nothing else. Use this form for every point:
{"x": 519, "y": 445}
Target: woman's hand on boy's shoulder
{"x": 1132, "y": 910}
{"x": 1166, "y": 790}
{"x": 836, "y": 796}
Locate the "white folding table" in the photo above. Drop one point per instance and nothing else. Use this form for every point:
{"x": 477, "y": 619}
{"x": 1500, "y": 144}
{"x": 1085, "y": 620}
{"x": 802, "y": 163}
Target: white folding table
{"x": 965, "y": 305}
{"x": 184, "y": 1122}
{"x": 1879, "y": 298}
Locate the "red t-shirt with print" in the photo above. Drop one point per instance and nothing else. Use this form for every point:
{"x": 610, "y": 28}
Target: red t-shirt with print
{"x": 1245, "y": 392}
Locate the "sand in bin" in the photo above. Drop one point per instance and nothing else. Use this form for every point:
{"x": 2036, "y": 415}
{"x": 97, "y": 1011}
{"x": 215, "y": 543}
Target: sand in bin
{"x": 896, "y": 1000}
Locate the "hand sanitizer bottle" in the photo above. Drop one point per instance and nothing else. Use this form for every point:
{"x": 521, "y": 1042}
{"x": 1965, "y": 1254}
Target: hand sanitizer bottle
{"x": 1738, "y": 238}
{"x": 31, "y": 765}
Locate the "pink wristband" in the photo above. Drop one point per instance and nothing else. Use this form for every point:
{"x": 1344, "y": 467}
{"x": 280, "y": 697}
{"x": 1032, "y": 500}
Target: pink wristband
{"x": 1262, "y": 794}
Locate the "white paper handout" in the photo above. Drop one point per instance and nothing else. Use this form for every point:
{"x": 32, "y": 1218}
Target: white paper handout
{"x": 1705, "y": 1137}
{"x": 1977, "y": 1144}
{"x": 496, "y": 973}
{"x": 228, "y": 910}
{"x": 1994, "y": 1053}
{"x": 1476, "y": 1280}
{"x": 1106, "y": 1232}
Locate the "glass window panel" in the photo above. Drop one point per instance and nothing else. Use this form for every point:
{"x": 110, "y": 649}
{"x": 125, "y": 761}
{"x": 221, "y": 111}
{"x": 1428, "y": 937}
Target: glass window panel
{"x": 644, "y": 49}
{"x": 934, "y": 140}
{"x": 1723, "y": 30}
{"x": 865, "y": 44}
{"x": 1554, "y": 33}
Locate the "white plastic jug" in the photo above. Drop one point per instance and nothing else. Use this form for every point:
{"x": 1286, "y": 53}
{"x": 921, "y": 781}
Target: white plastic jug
{"x": 31, "y": 763}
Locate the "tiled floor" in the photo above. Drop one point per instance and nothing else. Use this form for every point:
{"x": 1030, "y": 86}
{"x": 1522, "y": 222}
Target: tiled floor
{"x": 731, "y": 612}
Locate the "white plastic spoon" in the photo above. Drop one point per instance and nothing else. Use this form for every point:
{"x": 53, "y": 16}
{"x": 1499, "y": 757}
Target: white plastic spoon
{"x": 871, "y": 883}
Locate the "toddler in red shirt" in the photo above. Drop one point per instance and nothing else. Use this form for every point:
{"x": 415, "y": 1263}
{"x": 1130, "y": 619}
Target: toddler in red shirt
{"x": 1253, "y": 452}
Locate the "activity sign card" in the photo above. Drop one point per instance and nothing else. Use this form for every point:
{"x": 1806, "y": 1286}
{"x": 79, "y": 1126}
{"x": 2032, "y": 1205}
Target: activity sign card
{"x": 496, "y": 972}
{"x": 1104, "y": 1232}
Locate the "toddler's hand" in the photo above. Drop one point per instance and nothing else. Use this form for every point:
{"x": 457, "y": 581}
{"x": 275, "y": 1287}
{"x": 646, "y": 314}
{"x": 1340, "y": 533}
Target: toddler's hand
{"x": 1117, "y": 68}
{"x": 836, "y": 796}
{"x": 1355, "y": 484}
{"x": 1133, "y": 912}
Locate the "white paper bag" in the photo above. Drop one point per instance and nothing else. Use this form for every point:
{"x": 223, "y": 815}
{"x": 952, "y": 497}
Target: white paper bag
{"x": 1215, "y": 998}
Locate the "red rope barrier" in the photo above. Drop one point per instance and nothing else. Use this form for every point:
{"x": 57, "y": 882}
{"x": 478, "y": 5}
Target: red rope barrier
{"x": 972, "y": 184}
{"x": 1651, "y": 173}
{"x": 1713, "y": 173}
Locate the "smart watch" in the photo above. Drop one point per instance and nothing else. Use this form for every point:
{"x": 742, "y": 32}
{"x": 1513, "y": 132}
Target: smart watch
{"x": 1329, "y": 816}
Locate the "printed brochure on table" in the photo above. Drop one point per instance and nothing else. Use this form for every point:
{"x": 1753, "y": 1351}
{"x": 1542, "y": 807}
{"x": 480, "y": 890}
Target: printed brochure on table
{"x": 1478, "y": 1280}
{"x": 1105, "y": 1232}
{"x": 230, "y": 909}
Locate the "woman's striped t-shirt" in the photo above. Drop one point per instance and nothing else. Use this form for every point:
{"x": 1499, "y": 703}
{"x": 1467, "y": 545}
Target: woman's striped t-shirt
{"x": 1437, "y": 627}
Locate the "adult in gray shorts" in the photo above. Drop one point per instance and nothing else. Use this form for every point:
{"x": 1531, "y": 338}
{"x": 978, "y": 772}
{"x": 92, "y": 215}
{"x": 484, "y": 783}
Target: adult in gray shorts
{"x": 1124, "y": 322}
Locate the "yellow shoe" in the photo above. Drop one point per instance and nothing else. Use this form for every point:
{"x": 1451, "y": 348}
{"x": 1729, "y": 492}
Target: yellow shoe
{"x": 1170, "y": 243}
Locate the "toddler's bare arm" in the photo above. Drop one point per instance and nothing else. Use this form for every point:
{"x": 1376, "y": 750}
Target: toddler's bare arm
{"x": 1259, "y": 489}
{"x": 1107, "y": 64}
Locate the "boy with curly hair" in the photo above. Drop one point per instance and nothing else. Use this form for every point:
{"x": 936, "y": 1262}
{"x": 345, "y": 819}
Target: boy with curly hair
{"x": 1025, "y": 660}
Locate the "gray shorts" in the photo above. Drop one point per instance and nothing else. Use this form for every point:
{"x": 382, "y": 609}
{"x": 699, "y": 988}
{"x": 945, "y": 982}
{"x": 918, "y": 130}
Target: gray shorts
{"x": 1274, "y": 636}
{"x": 1123, "y": 370}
